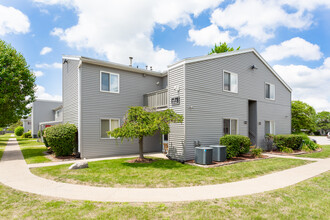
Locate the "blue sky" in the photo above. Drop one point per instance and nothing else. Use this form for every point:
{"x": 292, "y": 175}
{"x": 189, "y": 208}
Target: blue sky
{"x": 291, "y": 35}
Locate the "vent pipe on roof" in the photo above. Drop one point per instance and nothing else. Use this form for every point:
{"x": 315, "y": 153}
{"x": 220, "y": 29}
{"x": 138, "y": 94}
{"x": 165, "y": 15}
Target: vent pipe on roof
{"x": 130, "y": 61}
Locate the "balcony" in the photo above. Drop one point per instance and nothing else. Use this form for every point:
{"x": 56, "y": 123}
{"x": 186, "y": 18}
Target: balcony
{"x": 157, "y": 99}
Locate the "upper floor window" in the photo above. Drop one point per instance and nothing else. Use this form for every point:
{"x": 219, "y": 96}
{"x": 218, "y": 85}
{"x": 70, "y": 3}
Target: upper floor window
{"x": 230, "y": 82}
{"x": 109, "y": 82}
{"x": 230, "y": 126}
{"x": 270, "y": 91}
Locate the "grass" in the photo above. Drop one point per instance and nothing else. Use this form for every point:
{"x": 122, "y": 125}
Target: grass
{"x": 3, "y": 143}
{"x": 306, "y": 200}
{"x": 32, "y": 150}
{"x": 162, "y": 173}
{"x": 325, "y": 153}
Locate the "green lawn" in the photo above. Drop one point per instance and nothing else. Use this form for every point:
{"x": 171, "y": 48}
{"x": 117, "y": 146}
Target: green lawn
{"x": 306, "y": 200}
{"x": 162, "y": 173}
{"x": 325, "y": 153}
{"x": 32, "y": 150}
{"x": 3, "y": 143}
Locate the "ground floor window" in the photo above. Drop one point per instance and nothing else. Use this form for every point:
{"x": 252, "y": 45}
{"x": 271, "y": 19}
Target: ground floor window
{"x": 269, "y": 127}
{"x": 230, "y": 126}
{"x": 108, "y": 125}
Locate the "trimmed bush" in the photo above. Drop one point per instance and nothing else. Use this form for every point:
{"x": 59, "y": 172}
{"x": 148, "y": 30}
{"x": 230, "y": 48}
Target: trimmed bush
{"x": 27, "y": 135}
{"x": 256, "y": 151}
{"x": 39, "y": 134}
{"x": 236, "y": 145}
{"x": 19, "y": 131}
{"x": 62, "y": 138}
{"x": 292, "y": 141}
{"x": 308, "y": 143}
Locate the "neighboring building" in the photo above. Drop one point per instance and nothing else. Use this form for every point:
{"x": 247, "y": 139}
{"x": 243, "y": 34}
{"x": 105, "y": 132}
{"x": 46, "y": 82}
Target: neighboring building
{"x": 27, "y": 124}
{"x": 229, "y": 93}
{"x": 42, "y": 111}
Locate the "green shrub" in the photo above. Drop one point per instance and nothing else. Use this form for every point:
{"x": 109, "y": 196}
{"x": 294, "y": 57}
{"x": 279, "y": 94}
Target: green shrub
{"x": 62, "y": 138}
{"x": 285, "y": 149}
{"x": 19, "y": 131}
{"x": 256, "y": 151}
{"x": 236, "y": 145}
{"x": 308, "y": 143}
{"x": 44, "y": 138}
{"x": 27, "y": 135}
{"x": 292, "y": 141}
{"x": 39, "y": 134}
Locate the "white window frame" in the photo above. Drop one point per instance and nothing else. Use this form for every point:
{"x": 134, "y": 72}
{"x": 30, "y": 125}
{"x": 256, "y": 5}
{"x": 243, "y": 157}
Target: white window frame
{"x": 270, "y": 124}
{"x": 108, "y": 138}
{"x": 270, "y": 84}
{"x": 109, "y": 82}
{"x": 230, "y": 125}
{"x": 223, "y": 81}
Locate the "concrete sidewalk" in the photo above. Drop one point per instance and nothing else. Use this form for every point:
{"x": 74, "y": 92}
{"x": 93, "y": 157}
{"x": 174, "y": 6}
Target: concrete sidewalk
{"x": 15, "y": 173}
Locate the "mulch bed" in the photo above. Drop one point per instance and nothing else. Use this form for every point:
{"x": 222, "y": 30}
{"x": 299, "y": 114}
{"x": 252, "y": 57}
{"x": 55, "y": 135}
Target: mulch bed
{"x": 139, "y": 160}
{"x": 243, "y": 158}
{"x": 295, "y": 152}
{"x": 52, "y": 157}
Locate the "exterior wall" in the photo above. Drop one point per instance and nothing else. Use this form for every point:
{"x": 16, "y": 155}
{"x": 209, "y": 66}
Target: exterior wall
{"x": 42, "y": 111}
{"x": 27, "y": 124}
{"x": 176, "y": 137}
{"x": 96, "y": 105}
{"x": 70, "y": 91}
{"x": 207, "y": 104}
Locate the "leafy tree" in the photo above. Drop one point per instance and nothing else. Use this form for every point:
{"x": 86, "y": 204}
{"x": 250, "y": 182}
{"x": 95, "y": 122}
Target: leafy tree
{"x": 16, "y": 85}
{"x": 303, "y": 117}
{"x": 140, "y": 122}
{"x": 221, "y": 48}
{"x": 323, "y": 121}
{"x": 13, "y": 126}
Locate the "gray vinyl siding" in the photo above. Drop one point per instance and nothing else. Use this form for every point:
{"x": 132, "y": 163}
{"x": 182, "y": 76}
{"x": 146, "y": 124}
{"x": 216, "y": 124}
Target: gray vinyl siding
{"x": 207, "y": 104}
{"x": 70, "y": 91}
{"x": 96, "y": 105}
{"x": 176, "y": 137}
{"x": 42, "y": 111}
{"x": 60, "y": 115}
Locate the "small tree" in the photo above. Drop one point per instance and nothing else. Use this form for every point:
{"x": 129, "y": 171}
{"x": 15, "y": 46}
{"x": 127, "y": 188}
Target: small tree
{"x": 323, "y": 121}
{"x": 140, "y": 122}
{"x": 303, "y": 117}
{"x": 221, "y": 48}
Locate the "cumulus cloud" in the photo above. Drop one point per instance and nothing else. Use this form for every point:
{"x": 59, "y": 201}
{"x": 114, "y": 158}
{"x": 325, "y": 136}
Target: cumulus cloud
{"x": 13, "y": 21}
{"x": 45, "y": 50}
{"x": 49, "y": 66}
{"x": 208, "y": 36}
{"x": 310, "y": 85}
{"x": 296, "y": 47}
{"x": 260, "y": 18}
{"x": 42, "y": 94}
{"x": 38, "y": 73}
{"x": 123, "y": 28}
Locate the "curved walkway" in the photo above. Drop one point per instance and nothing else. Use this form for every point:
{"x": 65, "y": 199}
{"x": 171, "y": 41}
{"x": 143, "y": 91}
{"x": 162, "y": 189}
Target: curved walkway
{"x": 15, "y": 173}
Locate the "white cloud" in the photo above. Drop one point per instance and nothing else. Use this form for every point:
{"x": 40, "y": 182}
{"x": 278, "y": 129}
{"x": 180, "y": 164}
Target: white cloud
{"x": 208, "y": 36}
{"x": 49, "y": 66}
{"x": 260, "y": 18}
{"x": 297, "y": 47}
{"x": 38, "y": 73}
{"x": 42, "y": 94}
{"x": 13, "y": 21}
{"x": 45, "y": 50}
{"x": 310, "y": 85}
{"x": 123, "y": 28}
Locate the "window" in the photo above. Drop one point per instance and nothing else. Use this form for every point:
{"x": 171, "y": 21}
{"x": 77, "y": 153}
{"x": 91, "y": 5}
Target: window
{"x": 57, "y": 113}
{"x": 270, "y": 91}
{"x": 109, "y": 82}
{"x": 230, "y": 82}
{"x": 108, "y": 125}
{"x": 269, "y": 127}
{"x": 230, "y": 126}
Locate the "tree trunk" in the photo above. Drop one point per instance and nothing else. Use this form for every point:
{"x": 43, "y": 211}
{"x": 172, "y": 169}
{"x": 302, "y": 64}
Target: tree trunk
{"x": 141, "y": 147}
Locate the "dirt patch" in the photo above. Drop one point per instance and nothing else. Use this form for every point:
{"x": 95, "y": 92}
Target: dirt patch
{"x": 52, "y": 157}
{"x": 242, "y": 158}
{"x": 295, "y": 152}
{"x": 140, "y": 160}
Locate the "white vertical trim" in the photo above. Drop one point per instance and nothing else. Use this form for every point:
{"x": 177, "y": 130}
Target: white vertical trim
{"x": 79, "y": 110}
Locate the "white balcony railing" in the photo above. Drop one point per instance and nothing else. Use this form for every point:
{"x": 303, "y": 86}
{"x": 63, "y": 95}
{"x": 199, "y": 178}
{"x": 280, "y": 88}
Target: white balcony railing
{"x": 157, "y": 99}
